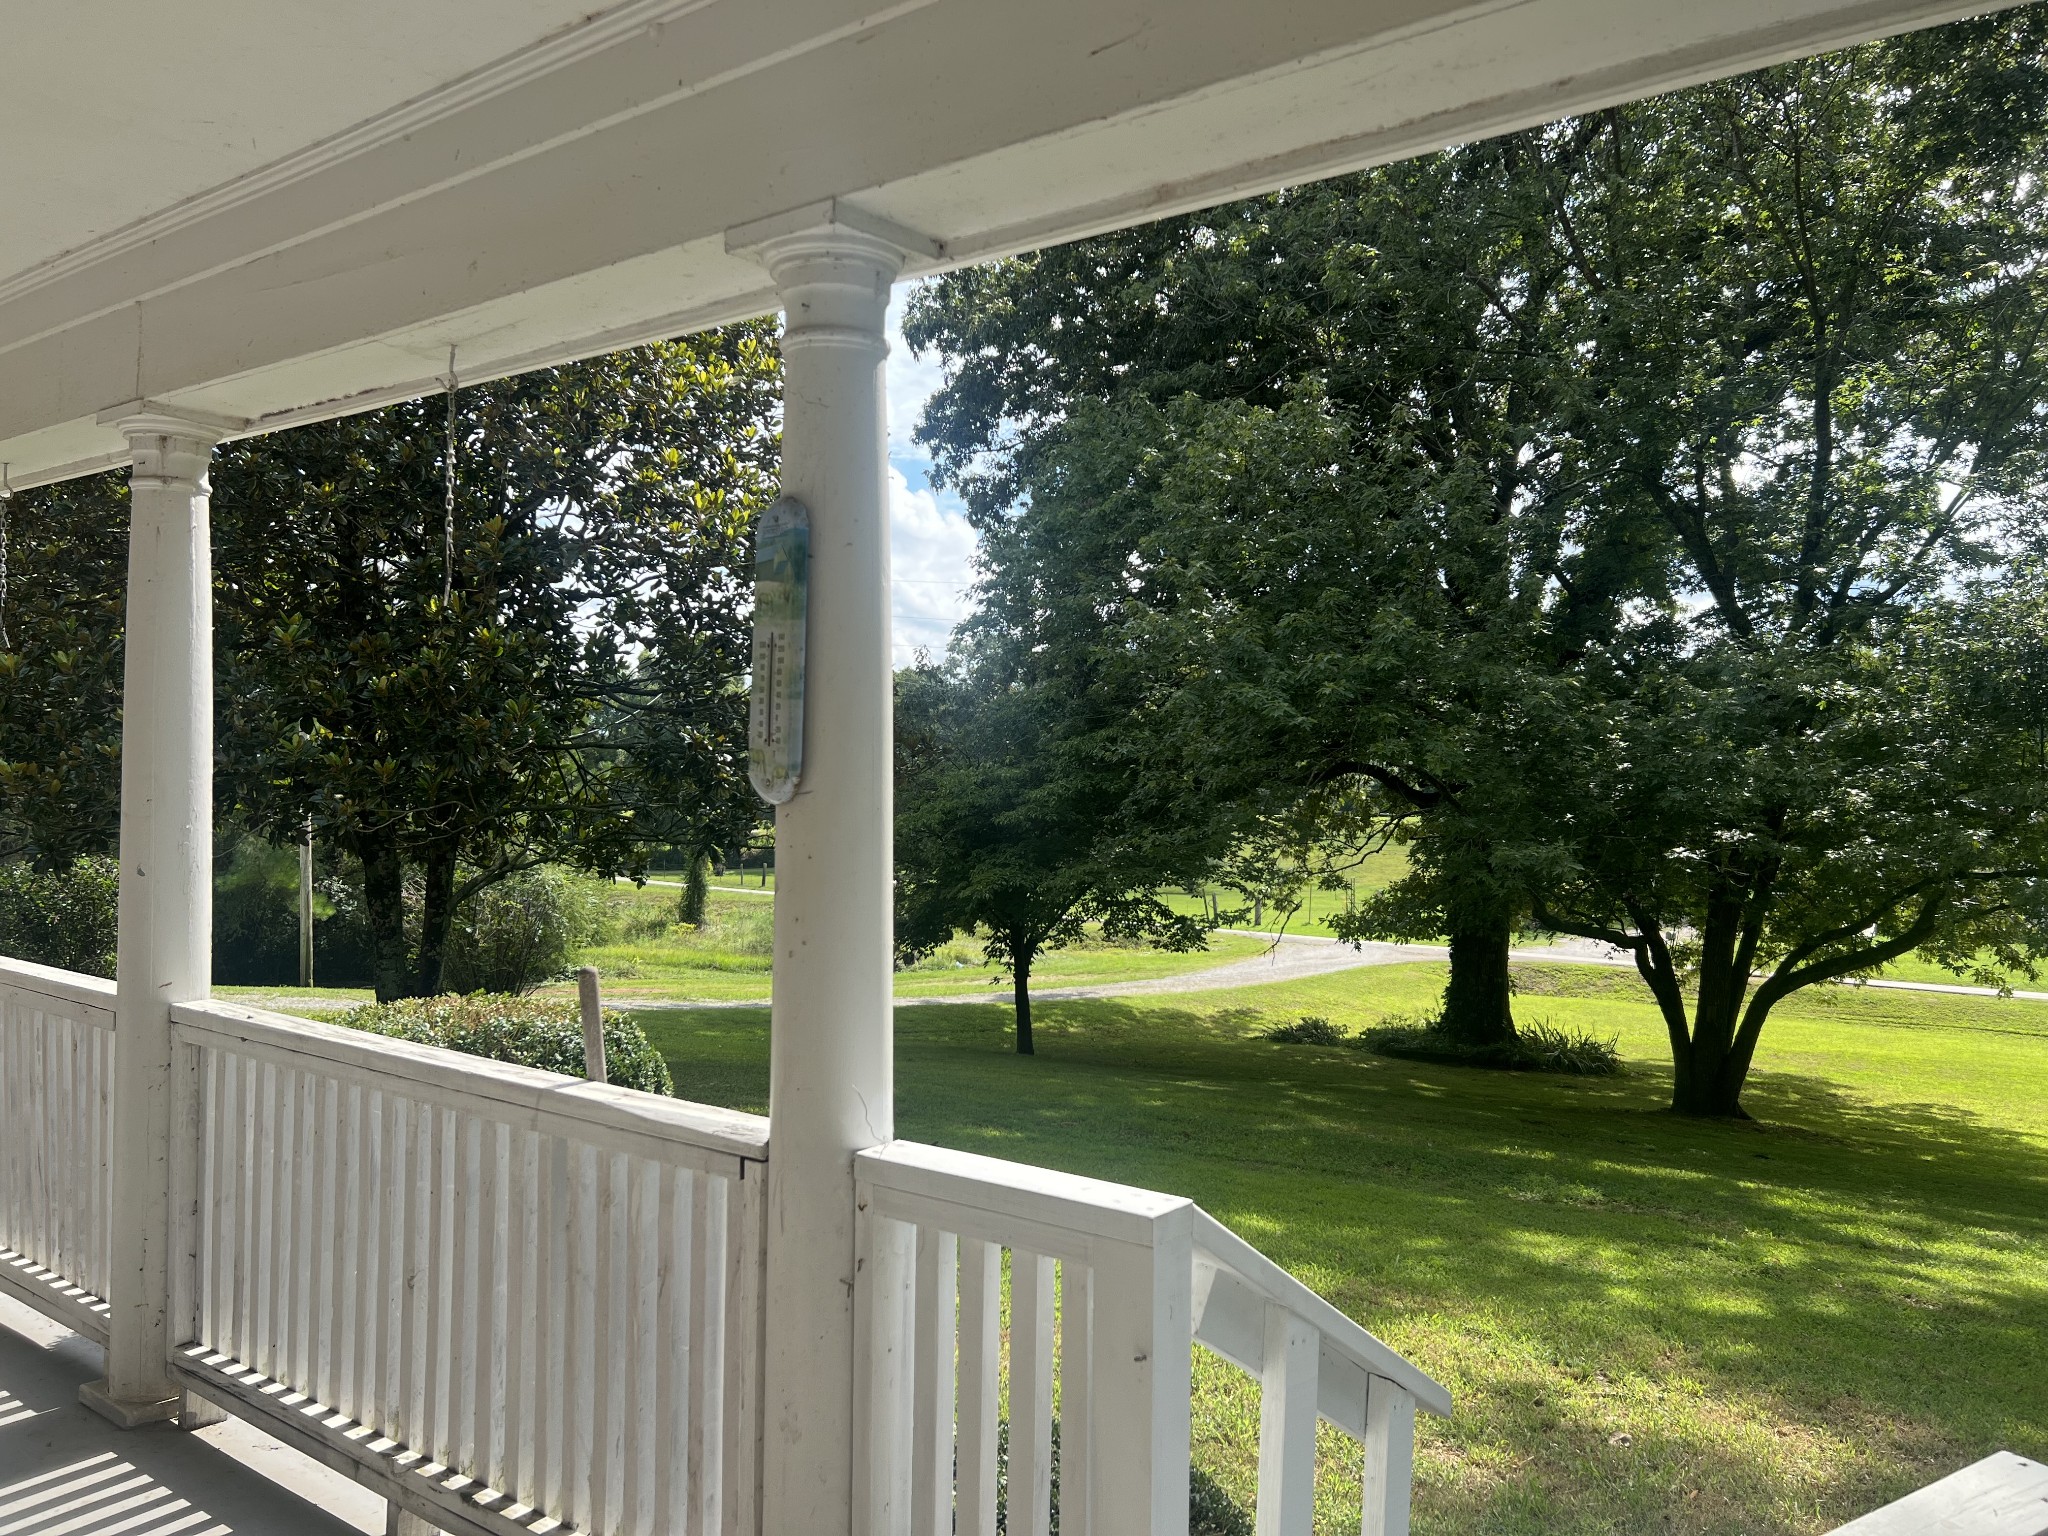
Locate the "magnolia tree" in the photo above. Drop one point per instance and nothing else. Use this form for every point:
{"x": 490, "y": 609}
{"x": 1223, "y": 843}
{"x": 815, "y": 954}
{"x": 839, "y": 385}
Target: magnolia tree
{"x": 554, "y": 676}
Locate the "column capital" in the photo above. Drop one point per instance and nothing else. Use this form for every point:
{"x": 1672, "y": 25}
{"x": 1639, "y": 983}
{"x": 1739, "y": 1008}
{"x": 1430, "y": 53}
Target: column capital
{"x": 833, "y": 265}
{"x": 170, "y": 446}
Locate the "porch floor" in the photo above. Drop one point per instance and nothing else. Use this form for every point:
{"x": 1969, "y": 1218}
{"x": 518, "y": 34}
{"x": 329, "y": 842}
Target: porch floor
{"x": 64, "y": 1471}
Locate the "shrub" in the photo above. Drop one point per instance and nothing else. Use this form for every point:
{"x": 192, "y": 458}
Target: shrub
{"x": 1535, "y": 1048}
{"x": 1309, "y": 1029}
{"x": 523, "y": 931}
{"x": 64, "y": 917}
{"x": 529, "y": 1031}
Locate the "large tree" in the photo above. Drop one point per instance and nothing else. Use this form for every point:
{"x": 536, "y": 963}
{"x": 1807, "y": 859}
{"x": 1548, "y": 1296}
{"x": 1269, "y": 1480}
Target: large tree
{"x": 1816, "y": 299}
{"x": 1626, "y": 534}
{"x": 1299, "y": 457}
{"x": 60, "y": 670}
{"x": 565, "y": 690}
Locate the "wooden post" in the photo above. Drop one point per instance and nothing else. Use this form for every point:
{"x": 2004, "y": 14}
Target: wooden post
{"x": 166, "y": 898}
{"x": 1287, "y": 1426}
{"x": 593, "y": 1024}
{"x": 306, "y": 907}
{"x": 1389, "y": 1458}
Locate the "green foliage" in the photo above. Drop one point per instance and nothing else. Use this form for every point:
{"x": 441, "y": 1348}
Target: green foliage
{"x": 60, "y": 672}
{"x": 524, "y": 930}
{"x": 529, "y": 1031}
{"x": 1010, "y": 822}
{"x": 576, "y": 698}
{"x": 1535, "y": 1048}
{"x": 63, "y": 917}
{"x": 1614, "y": 506}
{"x": 1211, "y": 1511}
{"x": 1309, "y": 1029}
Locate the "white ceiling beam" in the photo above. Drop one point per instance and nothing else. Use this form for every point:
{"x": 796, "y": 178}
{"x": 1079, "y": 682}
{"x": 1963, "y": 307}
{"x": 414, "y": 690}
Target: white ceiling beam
{"x": 579, "y": 198}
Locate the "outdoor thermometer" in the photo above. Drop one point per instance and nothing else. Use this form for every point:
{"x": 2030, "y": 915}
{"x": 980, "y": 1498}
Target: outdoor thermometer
{"x": 775, "y": 722}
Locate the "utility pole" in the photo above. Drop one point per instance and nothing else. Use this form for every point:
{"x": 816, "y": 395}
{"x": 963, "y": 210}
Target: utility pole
{"x": 306, "y": 907}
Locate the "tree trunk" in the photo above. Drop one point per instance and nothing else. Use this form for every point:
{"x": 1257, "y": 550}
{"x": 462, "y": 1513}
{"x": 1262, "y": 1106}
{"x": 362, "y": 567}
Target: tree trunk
{"x": 1708, "y": 1073}
{"x": 696, "y": 892}
{"x": 1477, "y": 1006}
{"x": 1707, "y": 1081}
{"x": 1020, "y": 989}
{"x": 437, "y": 917}
{"x": 384, "y": 904}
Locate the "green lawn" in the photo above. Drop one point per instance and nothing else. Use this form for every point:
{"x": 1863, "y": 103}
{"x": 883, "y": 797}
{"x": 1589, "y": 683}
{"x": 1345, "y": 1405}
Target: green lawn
{"x": 1649, "y": 1324}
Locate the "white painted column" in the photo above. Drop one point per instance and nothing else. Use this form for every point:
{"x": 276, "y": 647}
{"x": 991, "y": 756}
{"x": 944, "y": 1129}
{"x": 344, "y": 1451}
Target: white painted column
{"x": 831, "y": 1073}
{"x": 166, "y": 902}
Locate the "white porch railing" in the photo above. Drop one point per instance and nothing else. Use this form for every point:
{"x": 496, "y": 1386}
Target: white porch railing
{"x": 503, "y": 1298}
{"x": 515, "y": 1302}
{"x": 56, "y": 1141}
{"x": 1110, "y": 1287}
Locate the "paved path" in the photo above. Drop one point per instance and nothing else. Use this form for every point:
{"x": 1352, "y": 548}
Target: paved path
{"x": 1290, "y": 957}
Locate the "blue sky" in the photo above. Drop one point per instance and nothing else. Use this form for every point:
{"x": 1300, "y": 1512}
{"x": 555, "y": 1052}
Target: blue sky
{"x": 932, "y": 547}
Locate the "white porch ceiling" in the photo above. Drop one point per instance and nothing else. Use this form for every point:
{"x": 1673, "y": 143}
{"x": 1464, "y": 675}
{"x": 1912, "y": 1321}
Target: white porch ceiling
{"x": 273, "y": 210}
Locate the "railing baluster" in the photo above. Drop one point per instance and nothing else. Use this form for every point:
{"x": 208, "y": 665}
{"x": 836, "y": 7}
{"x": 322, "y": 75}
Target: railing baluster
{"x": 981, "y": 1325}
{"x": 348, "y": 1350}
{"x": 412, "y": 1386}
{"x": 740, "y": 1427}
{"x": 1077, "y": 1398}
{"x": 210, "y": 1120}
{"x": 445, "y": 1276}
{"x": 644, "y": 1188}
{"x": 581, "y": 1371}
{"x": 463, "y": 1276}
{"x": 293, "y": 1236}
{"x": 370, "y": 1261}
{"x": 553, "y": 1366}
{"x": 327, "y": 1194}
{"x": 397, "y": 1261}
{"x": 241, "y": 1338}
{"x": 490, "y": 1311}
{"x": 1031, "y": 1299}
{"x": 64, "y": 1165}
{"x": 672, "y": 1341}
{"x": 609, "y": 1340}
{"x": 707, "y": 1341}
{"x": 932, "y": 1384}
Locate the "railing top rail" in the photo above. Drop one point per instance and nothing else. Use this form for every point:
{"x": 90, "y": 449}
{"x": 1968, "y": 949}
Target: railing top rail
{"x": 1040, "y": 1195}
{"x": 90, "y": 993}
{"x": 522, "y": 1096}
{"x": 1218, "y": 1245}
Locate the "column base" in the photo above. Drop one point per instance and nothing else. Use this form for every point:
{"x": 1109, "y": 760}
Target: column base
{"x": 129, "y": 1412}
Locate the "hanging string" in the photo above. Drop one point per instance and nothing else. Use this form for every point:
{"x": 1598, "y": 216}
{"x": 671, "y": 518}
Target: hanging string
{"x": 6, "y": 500}
{"x": 448, "y": 520}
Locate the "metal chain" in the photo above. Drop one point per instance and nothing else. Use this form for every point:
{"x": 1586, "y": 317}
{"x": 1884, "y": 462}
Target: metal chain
{"x": 448, "y": 522}
{"x": 6, "y": 502}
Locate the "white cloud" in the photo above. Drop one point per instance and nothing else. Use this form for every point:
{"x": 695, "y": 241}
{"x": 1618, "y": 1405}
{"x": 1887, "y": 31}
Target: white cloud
{"x": 911, "y": 381}
{"x": 931, "y": 551}
{"x": 932, "y": 546}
